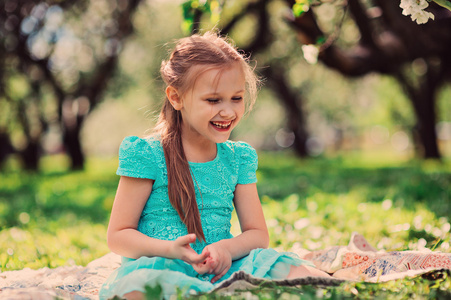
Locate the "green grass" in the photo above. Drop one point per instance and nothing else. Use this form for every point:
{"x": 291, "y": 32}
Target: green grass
{"x": 58, "y": 218}
{"x": 393, "y": 206}
{"x": 55, "y": 217}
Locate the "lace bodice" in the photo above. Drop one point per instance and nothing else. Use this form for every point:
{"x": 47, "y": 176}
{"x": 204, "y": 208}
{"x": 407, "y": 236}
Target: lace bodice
{"x": 235, "y": 163}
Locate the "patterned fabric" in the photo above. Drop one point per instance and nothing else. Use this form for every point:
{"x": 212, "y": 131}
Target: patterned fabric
{"x": 403, "y": 261}
{"x": 360, "y": 261}
{"x": 215, "y": 182}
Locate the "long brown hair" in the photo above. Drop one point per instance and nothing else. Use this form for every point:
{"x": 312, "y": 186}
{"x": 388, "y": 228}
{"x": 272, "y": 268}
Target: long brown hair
{"x": 212, "y": 51}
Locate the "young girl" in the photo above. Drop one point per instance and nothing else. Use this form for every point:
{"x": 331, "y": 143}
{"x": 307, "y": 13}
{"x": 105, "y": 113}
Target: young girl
{"x": 171, "y": 216}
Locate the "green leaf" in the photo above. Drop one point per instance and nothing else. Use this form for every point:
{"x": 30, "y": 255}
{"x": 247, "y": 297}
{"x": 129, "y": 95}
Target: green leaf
{"x": 299, "y": 9}
{"x": 321, "y": 40}
{"x": 155, "y": 292}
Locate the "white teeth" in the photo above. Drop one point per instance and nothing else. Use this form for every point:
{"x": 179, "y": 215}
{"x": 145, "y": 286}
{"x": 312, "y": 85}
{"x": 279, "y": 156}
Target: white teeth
{"x": 222, "y": 125}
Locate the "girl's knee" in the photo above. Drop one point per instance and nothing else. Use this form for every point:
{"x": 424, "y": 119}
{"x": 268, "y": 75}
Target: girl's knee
{"x": 135, "y": 295}
{"x": 305, "y": 271}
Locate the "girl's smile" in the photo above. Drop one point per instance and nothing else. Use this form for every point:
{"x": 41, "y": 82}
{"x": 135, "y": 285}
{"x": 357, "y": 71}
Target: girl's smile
{"x": 222, "y": 125}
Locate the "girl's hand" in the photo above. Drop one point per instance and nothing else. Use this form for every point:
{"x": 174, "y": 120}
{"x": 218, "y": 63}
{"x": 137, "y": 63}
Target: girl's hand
{"x": 218, "y": 262}
{"x": 181, "y": 249}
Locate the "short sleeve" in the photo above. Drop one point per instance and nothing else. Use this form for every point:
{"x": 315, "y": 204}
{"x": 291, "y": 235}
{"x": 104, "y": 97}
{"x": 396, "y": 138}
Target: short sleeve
{"x": 136, "y": 158}
{"x": 248, "y": 163}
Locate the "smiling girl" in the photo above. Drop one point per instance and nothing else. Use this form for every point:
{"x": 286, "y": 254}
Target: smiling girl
{"x": 170, "y": 219}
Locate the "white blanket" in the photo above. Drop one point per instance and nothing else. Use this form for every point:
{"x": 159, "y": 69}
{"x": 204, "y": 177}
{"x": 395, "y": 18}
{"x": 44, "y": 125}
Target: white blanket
{"x": 357, "y": 261}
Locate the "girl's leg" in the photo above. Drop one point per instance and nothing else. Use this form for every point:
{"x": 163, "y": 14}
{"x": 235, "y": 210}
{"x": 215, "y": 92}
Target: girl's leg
{"x": 135, "y": 295}
{"x": 304, "y": 271}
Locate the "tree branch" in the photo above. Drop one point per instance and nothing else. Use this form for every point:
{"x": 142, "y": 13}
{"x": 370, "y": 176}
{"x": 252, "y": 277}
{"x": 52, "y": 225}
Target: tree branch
{"x": 363, "y": 23}
{"x": 263, "y": 36}
{"x": 250, "y": 8}
{"x": 292, "y": 101}
{"x": 93, "y": 87}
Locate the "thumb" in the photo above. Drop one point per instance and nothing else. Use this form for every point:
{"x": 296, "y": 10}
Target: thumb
{"x": 205, "y": 254}
{"x": 186, "y": 239}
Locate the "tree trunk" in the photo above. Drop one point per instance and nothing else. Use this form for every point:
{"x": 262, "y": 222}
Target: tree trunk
{"x": 5, "y": 147}
{"x": 72, "y": 145}
{"x": 291, "y": 101}
{"x": 296, "y": 124}
{"x": 30, "y": 155}
{"x": 423, "y": 97}
{"x": 424, "y": 107}
{"x": 428, "y": 136}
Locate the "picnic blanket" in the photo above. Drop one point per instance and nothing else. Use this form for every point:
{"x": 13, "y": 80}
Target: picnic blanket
{"x": 357, "y": 261}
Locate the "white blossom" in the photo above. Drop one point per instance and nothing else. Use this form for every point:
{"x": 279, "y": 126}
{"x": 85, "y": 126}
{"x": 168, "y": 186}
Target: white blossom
{"x": 413, "y": 4}
{"x": 422, "y": 17}
{"x": 310, "y": 53}
{"x": 415, "y": 8}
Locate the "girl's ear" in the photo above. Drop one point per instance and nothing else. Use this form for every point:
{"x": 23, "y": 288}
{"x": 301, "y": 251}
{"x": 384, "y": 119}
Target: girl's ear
{"x": 174, "y": 98}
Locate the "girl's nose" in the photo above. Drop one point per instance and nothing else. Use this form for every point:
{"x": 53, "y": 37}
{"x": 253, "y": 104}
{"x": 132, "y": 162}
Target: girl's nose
{"x": 226, "y": 112}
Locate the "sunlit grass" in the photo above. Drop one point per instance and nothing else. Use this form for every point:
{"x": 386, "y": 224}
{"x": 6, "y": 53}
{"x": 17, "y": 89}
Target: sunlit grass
{"x": 328, "y": 219}
{"x": 52, "y": 244}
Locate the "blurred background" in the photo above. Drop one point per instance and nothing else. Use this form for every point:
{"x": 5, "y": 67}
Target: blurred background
{"x": 352, "y": 123}
{"x": 337, "y": 76}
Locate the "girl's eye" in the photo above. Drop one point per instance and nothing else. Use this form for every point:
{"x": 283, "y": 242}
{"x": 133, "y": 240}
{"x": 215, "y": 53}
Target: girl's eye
{"x": 237, "y": 98}
{"x": 213, "y": 100}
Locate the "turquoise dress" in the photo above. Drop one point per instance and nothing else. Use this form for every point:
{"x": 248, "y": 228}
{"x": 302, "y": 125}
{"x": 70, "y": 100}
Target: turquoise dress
{"x": 235, "y": 163}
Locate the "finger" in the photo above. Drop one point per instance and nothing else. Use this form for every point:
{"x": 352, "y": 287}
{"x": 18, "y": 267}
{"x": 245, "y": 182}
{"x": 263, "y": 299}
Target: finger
{"x": 195, "y": 258}
{"x": 213, "y": 265}
{"x": 204, "y": 255}
{"x": 200, "y": 268}
{"x": 198, "y": 258}
{"x": 204, "y": 266}
{"x": 219, "y": 276}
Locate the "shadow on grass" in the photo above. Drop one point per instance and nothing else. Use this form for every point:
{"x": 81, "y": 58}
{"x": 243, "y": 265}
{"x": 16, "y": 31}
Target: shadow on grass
{"x": 405, "y": 185}
{"x": 55, "y": 195}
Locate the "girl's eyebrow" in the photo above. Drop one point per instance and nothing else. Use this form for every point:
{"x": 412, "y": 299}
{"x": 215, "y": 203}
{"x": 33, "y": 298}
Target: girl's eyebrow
{"x": 216, "y": 93}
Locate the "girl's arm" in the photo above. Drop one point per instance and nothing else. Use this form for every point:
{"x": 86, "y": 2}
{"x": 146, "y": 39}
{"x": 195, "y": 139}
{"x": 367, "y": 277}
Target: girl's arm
{"x": 124, "y": 238}
{"x": 252, "y": 222}
{"x": 254, "y": 233}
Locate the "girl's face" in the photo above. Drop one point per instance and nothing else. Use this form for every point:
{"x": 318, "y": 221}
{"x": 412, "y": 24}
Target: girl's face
{"x": 214, "y": 105}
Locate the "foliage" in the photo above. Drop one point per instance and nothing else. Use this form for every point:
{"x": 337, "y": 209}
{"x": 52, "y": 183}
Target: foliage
{"x": 301, "y": 6}
{"x": 411, "y": 71}
{"x": 90, "y": 32}
{"x": 445, "y": 3}
{"x": 59, "y": 218}
{"x": 414, "y": 8}
{"x": 57, "y": 58}
{"x": 193, "y": 8}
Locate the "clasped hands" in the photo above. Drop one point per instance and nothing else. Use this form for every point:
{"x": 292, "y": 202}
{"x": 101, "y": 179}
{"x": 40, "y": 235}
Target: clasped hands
{"x": 213, "y": 259}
